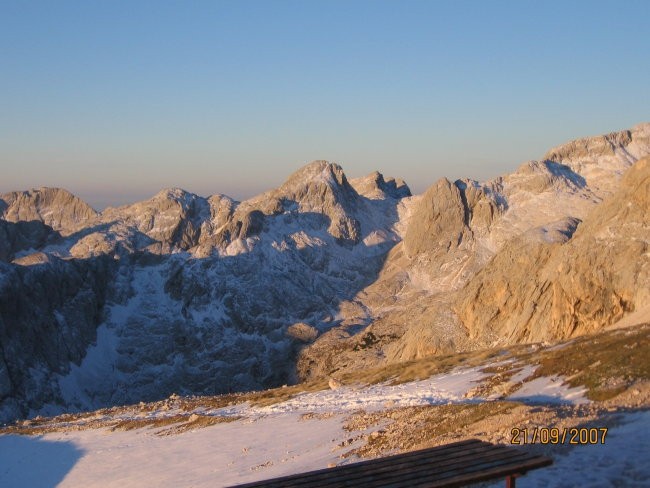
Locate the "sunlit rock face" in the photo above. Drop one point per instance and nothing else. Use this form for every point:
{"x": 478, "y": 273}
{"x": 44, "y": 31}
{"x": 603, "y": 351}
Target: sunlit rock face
{"x": 557, "y": 291}
{"x": 517, "y": 258}
{"x": 54, "y": 207}
{"x": 193, "y": 295}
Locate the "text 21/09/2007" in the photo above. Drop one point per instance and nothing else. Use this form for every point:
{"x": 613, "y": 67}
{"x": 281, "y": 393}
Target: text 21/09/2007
{"x": 554, "y": 435}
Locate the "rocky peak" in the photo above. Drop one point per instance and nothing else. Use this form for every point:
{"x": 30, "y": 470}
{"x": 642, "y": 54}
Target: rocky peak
{"x": 438, "y": 221}
{"x": 591, "y": 146}
{"x": 375, "y": 187}
{"x": 221, "y": 209}
{"x": 178, "y": 195}
{"x": 173, "y": 217}
{"x": 55, "y": 207}
{"x": 448, "y": 214}
{"x": 316, "y": 184}
{"x": 539, "y": 176}
{"x": 319, "y": 187}
{"x": 325, "y": 171}
{"x": 601, "y": 160}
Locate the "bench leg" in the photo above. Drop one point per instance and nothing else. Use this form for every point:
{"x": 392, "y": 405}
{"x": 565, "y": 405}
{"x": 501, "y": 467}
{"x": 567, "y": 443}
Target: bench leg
{"x": 510, "y": 481}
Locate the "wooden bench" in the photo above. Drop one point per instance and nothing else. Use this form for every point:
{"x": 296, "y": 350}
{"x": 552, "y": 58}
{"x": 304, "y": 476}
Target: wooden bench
{"x": 456, "y": 464}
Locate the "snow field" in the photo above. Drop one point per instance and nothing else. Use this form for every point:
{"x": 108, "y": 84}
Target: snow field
{"x": 301, "y": 434}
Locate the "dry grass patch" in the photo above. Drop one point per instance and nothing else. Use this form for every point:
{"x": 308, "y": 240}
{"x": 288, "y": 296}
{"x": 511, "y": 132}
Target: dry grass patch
{"x": 52, "y": 426}
{"x": 189, "y": 404}
{"x": 194, "y": 422}
{"x": 176, "y": 424}
{"x": 149, "y": 422}
{"x": 606, "y": 364}
{"x": 420, "y": 369}
{"x": 61, "y": 423}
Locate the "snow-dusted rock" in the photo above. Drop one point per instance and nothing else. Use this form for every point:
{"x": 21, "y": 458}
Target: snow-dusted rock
{"x": 187, "y": 294}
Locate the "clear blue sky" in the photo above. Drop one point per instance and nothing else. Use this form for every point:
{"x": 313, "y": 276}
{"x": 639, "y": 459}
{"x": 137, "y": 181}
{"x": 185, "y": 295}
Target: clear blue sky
{"x": 115, "y": 100}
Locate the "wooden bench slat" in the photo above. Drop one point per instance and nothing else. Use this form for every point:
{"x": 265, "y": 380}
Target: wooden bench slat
{"x": 406, "y": 477}
{"x": 443, "y": 451}
{"x": 424, "y": 456}
{"x": 466, "y": 461}
{"x": 504, "y": 461}
{"x": 488, "y": 474}
{"x": 430, "y": 467}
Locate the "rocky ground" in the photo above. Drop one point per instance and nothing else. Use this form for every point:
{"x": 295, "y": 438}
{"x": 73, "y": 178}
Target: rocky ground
{"x": 411, "y": 428}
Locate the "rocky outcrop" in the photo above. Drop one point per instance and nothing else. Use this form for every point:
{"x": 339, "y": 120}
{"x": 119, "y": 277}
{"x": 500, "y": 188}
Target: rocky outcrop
{"x": 302, "y": 332}
{"x": 376, "y": 186}
{"x": 540, "y": 176}
{"x": 449, "y": 214}
{"x": 442, "y": 238}
{"x": 439, "y": 222}
{"x": 173, "y": 218}
{"x": 55, "y": 207}
{"x": 536, "y": 291}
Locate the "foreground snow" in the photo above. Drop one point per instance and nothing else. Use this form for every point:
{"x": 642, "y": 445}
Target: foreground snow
{"x": 298, "y": 435}
{"x": 621, "y": 461}
{"x": 215, "y": 456}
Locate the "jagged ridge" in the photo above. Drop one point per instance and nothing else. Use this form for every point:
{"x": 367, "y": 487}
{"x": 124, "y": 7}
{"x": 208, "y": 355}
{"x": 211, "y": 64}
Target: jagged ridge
{"x": 202, "y": 295}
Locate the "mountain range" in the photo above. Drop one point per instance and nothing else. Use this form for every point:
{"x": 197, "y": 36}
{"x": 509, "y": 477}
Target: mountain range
{"x": 325, "y": 274}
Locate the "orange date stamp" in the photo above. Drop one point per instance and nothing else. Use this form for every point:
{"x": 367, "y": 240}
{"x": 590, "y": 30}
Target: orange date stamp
{"x": 555, "y": 435}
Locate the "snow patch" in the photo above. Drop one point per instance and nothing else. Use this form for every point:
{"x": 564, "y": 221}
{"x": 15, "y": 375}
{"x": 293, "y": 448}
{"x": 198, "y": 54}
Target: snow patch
{"x": 617, "y": 462}
{"x": 549, "y": 389}
{"x": 439, "y": 389}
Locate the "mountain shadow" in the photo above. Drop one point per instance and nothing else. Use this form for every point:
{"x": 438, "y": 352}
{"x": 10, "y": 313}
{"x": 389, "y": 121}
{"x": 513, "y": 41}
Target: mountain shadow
{"x": 35, "y": 462}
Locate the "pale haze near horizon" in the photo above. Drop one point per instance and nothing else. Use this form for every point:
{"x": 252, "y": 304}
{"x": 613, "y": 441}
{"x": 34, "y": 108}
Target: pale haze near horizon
{"x": 115, "y": 101}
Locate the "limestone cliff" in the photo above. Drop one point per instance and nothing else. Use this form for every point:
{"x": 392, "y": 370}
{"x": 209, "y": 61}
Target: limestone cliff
{"x": 535, "y": 291}
{"x": 55, "y": 207}
{"x": 473, "y": 268}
